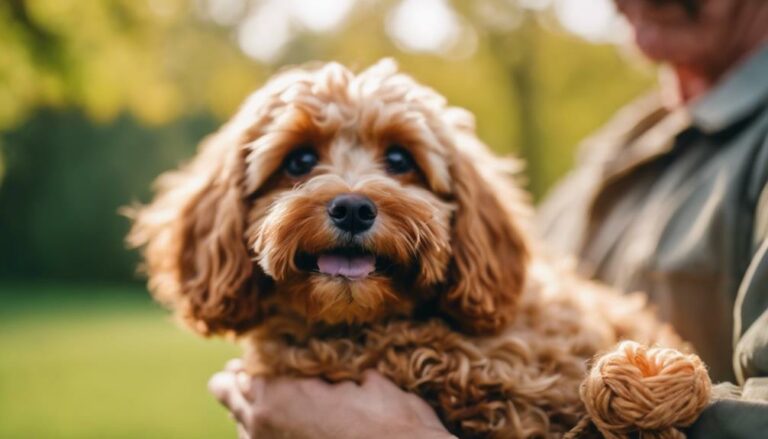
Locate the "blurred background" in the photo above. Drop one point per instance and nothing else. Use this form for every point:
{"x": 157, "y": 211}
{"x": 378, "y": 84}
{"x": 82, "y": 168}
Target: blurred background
{"x": 97, "y": 97}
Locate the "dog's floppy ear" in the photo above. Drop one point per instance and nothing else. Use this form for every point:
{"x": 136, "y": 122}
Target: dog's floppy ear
{"x": 193, "y": 239}
{"x": 487, "y": 272}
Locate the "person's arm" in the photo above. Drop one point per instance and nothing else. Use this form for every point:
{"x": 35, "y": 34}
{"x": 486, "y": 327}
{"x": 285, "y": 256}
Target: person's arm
{"x": 742, "y": 411}
{"x": 294, "y": 408}
{"x": 737, "y": 413}
{"x": 750, "y": 358}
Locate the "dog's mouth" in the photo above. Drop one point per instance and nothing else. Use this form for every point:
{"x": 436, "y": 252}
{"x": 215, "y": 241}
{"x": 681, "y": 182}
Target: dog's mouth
{"x": 350, "y": 263}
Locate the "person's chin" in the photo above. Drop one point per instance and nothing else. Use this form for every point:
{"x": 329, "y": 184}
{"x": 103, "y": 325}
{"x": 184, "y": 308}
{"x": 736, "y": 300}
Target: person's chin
{"x": 650, "y": 41}
{"x": 655, "y": 45}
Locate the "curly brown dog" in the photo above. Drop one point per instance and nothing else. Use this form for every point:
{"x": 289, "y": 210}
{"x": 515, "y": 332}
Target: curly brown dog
{"x": 341, "y": 222}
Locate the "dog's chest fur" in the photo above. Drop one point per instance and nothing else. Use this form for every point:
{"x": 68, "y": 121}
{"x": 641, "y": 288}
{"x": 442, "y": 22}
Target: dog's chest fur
{"x": 523, "y": 382}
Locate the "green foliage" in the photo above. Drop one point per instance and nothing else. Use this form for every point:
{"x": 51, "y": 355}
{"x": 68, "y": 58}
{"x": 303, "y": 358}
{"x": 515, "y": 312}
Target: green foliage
{"x": 113, "y": 56}
{"x": 66, "y": 179}
{"x": 95, "y": 362}
{"x": 97, "y": 97}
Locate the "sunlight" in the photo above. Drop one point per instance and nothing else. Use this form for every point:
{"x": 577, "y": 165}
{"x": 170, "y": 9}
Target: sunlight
{"x": 225, "y": 12}
{"x": 431, "y": 26}
{"x": 538, "y": 5}
{"x": 423, "y": 25}
{"x": 265, "y": 32}
{"x": 597, "y": 22}
{"x": 319, "y": 15}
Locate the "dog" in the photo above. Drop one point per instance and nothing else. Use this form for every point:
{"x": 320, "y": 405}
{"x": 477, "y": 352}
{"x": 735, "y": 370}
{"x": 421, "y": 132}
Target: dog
{"x": 340, "y": 222}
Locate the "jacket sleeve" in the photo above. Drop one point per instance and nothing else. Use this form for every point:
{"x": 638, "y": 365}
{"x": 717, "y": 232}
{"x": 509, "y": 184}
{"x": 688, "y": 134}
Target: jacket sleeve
{"x": 750, "y": 357}
{"x": 737, "y": 414}
{"x": 742, "y": 411}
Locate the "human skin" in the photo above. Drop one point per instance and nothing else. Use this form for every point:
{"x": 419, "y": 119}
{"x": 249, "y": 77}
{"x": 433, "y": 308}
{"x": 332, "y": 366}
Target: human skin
{"x": 698, "y": 45}
{"x": 279, "y": 408}
{"x": 698, "y": 48}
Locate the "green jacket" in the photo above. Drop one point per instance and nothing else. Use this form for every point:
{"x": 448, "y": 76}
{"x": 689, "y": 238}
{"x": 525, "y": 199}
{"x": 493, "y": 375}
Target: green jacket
{"x": 675, "y": 203}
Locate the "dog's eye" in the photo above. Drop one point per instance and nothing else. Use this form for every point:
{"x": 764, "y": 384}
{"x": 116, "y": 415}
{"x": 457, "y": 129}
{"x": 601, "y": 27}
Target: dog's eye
{"x": 398, "y": 160}
{"x": 300, "y": 162}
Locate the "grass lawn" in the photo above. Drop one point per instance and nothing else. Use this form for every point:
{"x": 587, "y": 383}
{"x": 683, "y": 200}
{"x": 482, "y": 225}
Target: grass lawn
{"x": 103, "y": 362}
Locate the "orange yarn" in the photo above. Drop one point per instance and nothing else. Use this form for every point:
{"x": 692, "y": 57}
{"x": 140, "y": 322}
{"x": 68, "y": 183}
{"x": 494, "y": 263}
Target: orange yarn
{"x": 651, "y": 390}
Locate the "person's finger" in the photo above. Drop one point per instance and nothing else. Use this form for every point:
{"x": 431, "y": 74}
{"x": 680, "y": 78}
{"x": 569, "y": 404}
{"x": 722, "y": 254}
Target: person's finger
{"x": 253, "y": 388}
{"x": 242, "y": 433}
{"x": 375, "y": 381}
{"x": 224, "y": 387}
{"x": 313, "y": 387}
{"x": 219, "y": 384}
{"x": 379, "y": 391}
{"x": 234, "y": 365}
{"x": 346, "y": 386}
{"x": 425, "y": 412}
{"x": 245, "y": 384}
{"x": 373, "y": 377}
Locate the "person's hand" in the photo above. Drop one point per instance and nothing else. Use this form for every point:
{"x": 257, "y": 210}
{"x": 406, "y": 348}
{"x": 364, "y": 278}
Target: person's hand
{"x": 293, "y": 408}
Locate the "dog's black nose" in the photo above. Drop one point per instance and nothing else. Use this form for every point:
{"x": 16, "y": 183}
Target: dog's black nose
{"x": 352, "y": 212}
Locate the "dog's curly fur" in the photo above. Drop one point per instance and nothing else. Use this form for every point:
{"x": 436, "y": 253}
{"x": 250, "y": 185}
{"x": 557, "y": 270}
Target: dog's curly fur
{"x": 465, "y": 312}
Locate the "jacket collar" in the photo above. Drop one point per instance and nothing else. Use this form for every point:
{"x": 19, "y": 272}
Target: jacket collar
{"x": 738, "y": 96}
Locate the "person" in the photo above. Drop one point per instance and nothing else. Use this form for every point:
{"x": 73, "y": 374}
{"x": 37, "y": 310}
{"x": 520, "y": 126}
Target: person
{"x": 671, "y": 198}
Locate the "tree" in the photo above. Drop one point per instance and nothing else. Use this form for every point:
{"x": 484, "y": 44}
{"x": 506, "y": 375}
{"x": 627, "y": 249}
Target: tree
{"x": 97, "y": 97}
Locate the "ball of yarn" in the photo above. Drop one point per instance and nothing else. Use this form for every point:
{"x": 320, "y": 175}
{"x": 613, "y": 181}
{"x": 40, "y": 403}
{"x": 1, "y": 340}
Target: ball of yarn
{"x": 651, "y": 390}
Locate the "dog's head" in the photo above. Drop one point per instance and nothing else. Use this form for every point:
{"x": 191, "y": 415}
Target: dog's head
{"x": 344, "y": 199}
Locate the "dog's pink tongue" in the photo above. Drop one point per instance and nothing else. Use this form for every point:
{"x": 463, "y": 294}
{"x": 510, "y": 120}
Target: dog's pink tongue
{"x": 354, "y": 268}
